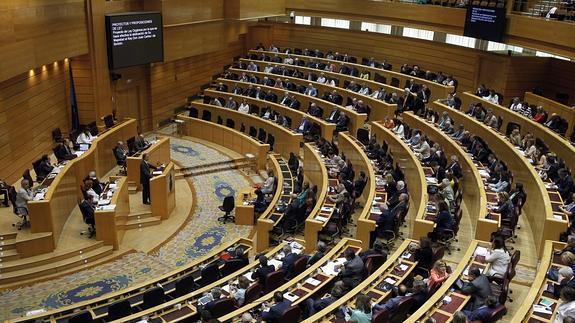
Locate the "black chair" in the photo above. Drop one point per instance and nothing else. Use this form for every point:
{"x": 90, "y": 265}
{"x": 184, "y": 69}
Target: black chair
{"x": 232, "y": 265}
{"x": 184, "y": 285}
{"x": 82, "y": 317}
{"x": 206, "y": 115}
{"x": 394, "y": 82}
{"x": 292, "y": 314}
{"x": 88, "y": 217}
{"x": 210, "y": 274}
{"x": 109, "y": 121}
{"x": 57, "y": 135}
{"x": 118, "y": 310}
{"x": 273, "y": 281}
{"x": 36, "y": 166}
{"x": 253, "y": 292}
{"x": 253, "y": 132}
{"x": 222, "y": 307}
{"x": 153, "y": 297}
{"x": 271, "y": 140}
{"x": 26, "y": 175}
{"x": 230, "y": 123}
{"x": 243, "y": 128}
{"x": 363, "y": 136}
{"x": 220, "y": 120}
{"x": 262, "y": 135}
{"x": 227, "y": 207}
{"x": 93, "y": 127}
{"x": 193, "y": 112}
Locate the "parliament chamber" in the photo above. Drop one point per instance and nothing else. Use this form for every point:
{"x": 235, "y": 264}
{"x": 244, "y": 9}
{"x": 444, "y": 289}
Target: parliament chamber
{"x": 287, "y": 161}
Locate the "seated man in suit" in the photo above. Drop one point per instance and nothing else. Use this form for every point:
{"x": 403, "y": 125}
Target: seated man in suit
{"x": 352, "y": 272}
{"x": 44, "y": 168}
{"x": 64, "y": 151}
{"x": 565, "y": 278}
{"x": 311, "y": 306}
{"x": 304, "y": 126}
{"x": 342, "y": 122}
{"x": 483, "y": 313}
{"x": 393, "y": 199}
{"x": 263, "y": 270}
{"x": 320, "y": 252}
{"x": 97, "y": 186}
{"x": 140, "y": 143}
{"x": 400, "y": 207}
{"x": 274, "y": 313}
{"x": 294, "y": 103}
{"x": 334, "y": 115}
{"x": 310, "y": 90}
{"x": 120, "y": 153}
{"x": 377, "y": 249}
{"x": 478, "y": 287}
{"x": 385, "y": 221}
{"x": 288, "y": 261}
{"x": 397, "y": 293}
{"x": 215, "y": 294}
{"x": 314, "y": 110}
{"x": 231, "y": 104}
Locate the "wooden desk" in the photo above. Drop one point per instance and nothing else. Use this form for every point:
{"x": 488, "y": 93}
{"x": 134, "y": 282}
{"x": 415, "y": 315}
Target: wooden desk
{"x": 298, "y": 285}
{"x": 370, "y": 285}
{"x": 551, "y": 107}
{"x": 286, "y": 140}
{"x": 557, "y": 144}
{"x": 537, "y": 209}
{"x": 356, "y": 120}
{"x": 63, "y": 195}
{"x": 192, "y": 298}
{"x": 354, "y": 151}
{"x": 316, "y": 172}
{"x": 158, "y": 152}
{"x": 434, "y": 307}
{"x": 163, "y": 192}
{"x": 282, "y": 196}
{"x": 438, "y": 90}
{"x": 226, "y": 137}
{"x": 135, "y": 292}
{"x": 537, "y": 292}
{"x": 108, "y": 222}
{"x": 244, "y": 213}
{"x": 414, "y": 177}
{"x": 474, "y": 195}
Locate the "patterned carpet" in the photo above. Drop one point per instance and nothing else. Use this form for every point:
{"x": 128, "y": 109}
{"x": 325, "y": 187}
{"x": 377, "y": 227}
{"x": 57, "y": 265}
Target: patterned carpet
{"x": 198, "y": 237}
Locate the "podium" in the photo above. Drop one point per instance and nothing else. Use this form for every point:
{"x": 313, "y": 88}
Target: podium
{"x": 109, "y": 220}
{"x": 245, "y": 212}
{"x": 158, "y": 152}
{"x": 163, "y": 192}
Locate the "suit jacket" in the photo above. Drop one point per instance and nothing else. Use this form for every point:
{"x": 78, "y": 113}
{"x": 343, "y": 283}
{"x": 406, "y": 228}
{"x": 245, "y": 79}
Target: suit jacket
{"x": 483, "y": 314}
{"x": 120, "y": 154}
{"x": 288, "y": 264}
{"x": 261, "y": 273}
{"x": 294, "y": 104}
{"x": 140, "y": 143}
{"x": 146, "y": 172}
{"x": 44, "y": 169}
{"x": 64, "y": 152}
{"x": 304, "y": 127}
{"x": 479, "y": 289}
{"x": 333, "y": 116}
{"x": 315, "y": 258}
{"x": 276, "y": 311}
{"x": 353, "y": 270}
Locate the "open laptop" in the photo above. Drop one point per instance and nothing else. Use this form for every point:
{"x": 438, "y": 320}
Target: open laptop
{"x": 84, "y": 147}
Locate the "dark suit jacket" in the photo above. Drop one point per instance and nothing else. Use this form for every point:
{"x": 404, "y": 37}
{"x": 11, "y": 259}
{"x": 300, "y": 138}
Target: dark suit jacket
{"x": 288, "y": 264}
{"x": 261, "y": 273}
{"x": 385, "y": 222}
{"x": 276, "y": 311}
{"x": 315, "y": 258}
{"x": 120, "y": 155}
{"x": 333, "y": 116}
{"x": 63, "y": 152}
{"x": 145, "y": 172}
{"x": 479, "y": 289}
{"x": 140, "y": 143}
{"x": 44, "y": 169}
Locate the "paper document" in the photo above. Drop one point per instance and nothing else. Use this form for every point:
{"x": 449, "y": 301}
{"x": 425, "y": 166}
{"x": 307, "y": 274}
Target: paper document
{"x": 390, "y": 280}
{"x": 541, "y": 309}
{"x": 481, "y": 251}
{"x": 321, "y": 218}
{"x": 326, "y": 209}
{"x": 313, "y": 281}
{"x": 276, "y": 263}
{"x": 157, "y": 172}
{"x": 291, "y": 297}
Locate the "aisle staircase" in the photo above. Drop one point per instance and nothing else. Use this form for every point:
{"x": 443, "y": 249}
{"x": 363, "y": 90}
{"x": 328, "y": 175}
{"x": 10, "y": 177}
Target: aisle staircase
{"x": 236, "y": 163}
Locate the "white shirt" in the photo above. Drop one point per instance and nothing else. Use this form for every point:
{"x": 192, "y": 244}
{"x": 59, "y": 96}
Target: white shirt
{"x": 84, "y": 138}
{"x": 399, "y": 130}
{"x": 244, "y": 108}
{"x": 564, "y": 310}
{"x": 364, "y": 91}
{"x": 516, "y": 107}
{"x": 268, "y": 185}
{"x": 95, "y": 198}
{"x": 321, "y": 79}
{"x": 499, "y": 260}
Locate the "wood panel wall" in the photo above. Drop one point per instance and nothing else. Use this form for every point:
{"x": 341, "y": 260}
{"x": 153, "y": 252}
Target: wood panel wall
{"x": 31, "y": 106}
{"x": 560, "y": 78}
{"x": 35, "y": 33}
{"x": 523, "y": 74}
{"x": 84, "y": 86}
{"x": 172, "y": 82}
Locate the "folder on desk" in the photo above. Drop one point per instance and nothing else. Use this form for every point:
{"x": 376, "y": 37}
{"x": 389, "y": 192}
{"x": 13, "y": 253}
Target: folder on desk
{"x": 157, "y": 172}
{"x": 321, "y": 218}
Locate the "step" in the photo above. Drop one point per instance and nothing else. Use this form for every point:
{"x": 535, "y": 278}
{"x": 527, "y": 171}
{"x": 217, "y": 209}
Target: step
{"x": 48, "y": 258}
{"x": 8, "y": 235}
{"x": 8, "y": 255}
{"x": 8, "y": 244}
{"x": 57, "y": 266}
{"x": 146, "y": 222}
{"x": 139, "y": 215}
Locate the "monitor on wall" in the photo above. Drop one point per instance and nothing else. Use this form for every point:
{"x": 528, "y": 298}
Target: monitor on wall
{"x": 485, "y": 23}
{"x": 134, "y": 38}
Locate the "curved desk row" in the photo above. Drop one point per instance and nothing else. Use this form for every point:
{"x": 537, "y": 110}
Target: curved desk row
{"x": 566, "y": 112}
{"x": 316, "y": 173}
{"x": 99, "y": 306}
{"x": 554, "y": 141}
{"x": 63, "y": 194}
{"x": 474, "y": 195}
{"x": 435, "y": 307}
{"x": 185, "y": 306}
{"x": 356, "y": 119}
{"x": 538, "y": 293}
{"x": 301, "y": 288}
{"x": 440, "y": 90}
{"x": 295, "y": 115}
{"x": 354, "y": 151}
{"x": 379, "y": 108}
{"x": 395, "y": 271}
{"x": 414, "y": 178}
{"x": 538, "y": 208}
{"x": 282, "y": 197}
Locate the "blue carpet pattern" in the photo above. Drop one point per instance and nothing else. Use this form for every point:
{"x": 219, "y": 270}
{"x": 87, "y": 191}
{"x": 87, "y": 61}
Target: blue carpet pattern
{"x": 199, "y": 236}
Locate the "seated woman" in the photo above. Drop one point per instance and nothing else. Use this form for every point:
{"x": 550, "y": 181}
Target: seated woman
{"x": 422, "y": 253}
{"x": 505, "y": 205}
{"x": 268, "y": 186}
{"x": 503, "y": 184}
{"x": 568, "y": 259}
{"x": 437, "y": 275}
{"x": 498, "y": 257}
